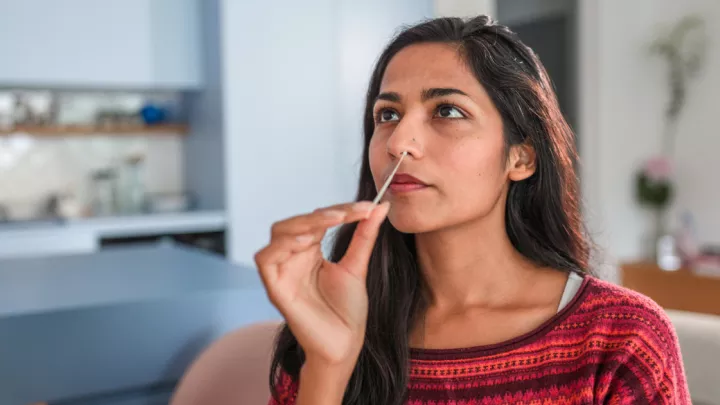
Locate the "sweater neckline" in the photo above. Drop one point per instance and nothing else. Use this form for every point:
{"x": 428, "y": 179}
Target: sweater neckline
{"x": 527, "y": 338}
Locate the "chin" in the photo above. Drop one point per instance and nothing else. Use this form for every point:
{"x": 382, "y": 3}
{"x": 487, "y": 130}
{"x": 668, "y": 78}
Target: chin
{"x": 406, "y": 221}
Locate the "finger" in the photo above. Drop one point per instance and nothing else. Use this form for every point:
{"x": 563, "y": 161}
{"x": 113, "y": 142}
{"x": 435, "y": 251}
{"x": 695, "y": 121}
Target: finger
{"x": 323, "y": 219}
{"x": 267, "y": 269}
{"x": 357, "y": 257}
{"x": 269, "y": 259}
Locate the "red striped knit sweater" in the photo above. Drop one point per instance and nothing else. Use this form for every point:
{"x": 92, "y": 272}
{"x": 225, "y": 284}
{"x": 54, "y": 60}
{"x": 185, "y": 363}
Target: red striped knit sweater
{"x": 608, "y": 346}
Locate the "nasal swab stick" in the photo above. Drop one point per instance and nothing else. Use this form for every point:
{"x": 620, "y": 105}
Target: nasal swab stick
{"x": 389, "y": 180}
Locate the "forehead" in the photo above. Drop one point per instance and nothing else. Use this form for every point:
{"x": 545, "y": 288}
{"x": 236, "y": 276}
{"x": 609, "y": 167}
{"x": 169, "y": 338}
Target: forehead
{"x": 428, "y": 65}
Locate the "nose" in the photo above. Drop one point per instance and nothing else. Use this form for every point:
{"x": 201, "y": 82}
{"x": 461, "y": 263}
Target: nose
{"x": 407, "y": 136}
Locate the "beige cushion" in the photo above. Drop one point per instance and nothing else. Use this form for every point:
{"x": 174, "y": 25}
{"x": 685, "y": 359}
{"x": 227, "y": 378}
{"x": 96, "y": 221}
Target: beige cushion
{"x": 234, "y": 370}
{"x": 699, "y": 337}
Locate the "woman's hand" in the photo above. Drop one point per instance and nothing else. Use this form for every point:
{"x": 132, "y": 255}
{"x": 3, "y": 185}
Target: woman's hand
{"x": 325, "y": 304}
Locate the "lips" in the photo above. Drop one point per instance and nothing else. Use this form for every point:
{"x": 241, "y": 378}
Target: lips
{"x": 403, "y": 182}
{"x": 402, "y": 178}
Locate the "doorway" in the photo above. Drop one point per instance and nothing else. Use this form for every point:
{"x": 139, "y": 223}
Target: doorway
{"x": 549, "y": 27}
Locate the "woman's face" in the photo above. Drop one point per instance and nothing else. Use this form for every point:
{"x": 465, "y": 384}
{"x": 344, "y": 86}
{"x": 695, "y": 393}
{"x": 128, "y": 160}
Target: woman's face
{"x": 432, "y": 106}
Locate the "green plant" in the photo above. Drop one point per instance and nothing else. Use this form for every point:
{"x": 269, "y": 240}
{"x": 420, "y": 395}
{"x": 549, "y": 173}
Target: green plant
{"x": 654, "y": 184}
{"x": 683, "y": 46}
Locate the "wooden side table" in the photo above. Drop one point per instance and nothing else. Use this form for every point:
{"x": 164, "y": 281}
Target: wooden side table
{"x": 681, "y": 290}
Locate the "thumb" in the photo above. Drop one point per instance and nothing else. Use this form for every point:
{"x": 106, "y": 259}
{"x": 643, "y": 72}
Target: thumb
{"x": 357, "y": 257}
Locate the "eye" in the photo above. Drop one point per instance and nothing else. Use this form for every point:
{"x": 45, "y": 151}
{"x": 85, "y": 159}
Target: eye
{"x": 387, "y": 115}
{"x": 448, "y": 111}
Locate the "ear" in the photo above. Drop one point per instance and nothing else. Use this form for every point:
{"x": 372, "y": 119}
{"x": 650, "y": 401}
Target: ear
{"x": 521, "y": 162}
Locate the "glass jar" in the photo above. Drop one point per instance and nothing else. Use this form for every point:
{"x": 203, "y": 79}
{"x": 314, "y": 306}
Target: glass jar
{"x": 104, "y": 191}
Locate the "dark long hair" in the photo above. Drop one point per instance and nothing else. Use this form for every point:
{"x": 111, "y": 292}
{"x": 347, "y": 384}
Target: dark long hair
{"x": 543, "y": 219}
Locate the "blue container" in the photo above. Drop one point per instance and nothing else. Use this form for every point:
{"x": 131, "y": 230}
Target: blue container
{"x": 152, "y": 114}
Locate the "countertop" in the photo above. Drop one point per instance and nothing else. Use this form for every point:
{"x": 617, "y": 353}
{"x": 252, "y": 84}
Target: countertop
{"x": 117, "y": 321}
{"x": 128, "y": 225}
{"x": 54, "y": 238}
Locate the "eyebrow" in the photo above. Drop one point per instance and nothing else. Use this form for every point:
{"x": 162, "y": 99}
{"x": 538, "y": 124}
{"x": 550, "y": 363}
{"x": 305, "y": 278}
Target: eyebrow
{"x": 427, "y": 94}
{"x": 389, "y": 96}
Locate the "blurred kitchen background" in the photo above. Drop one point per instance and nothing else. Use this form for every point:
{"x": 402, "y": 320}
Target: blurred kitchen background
{"x": 146, "y": 146}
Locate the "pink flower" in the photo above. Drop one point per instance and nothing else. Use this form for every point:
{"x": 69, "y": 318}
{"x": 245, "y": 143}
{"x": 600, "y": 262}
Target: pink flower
{"x": 658, "y": 169}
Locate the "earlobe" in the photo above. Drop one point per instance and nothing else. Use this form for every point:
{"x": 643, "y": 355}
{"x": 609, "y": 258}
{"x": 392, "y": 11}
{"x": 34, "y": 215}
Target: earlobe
{"x": 523, "y": 162}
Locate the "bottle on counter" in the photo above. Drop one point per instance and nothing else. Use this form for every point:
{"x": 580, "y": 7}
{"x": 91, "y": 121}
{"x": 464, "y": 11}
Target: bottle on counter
{"x": 104, "y": 191}
{"x": 133, "y": 186}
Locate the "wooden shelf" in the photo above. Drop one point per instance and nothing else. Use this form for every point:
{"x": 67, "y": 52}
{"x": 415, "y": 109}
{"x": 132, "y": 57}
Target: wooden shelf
{"x": 680, "y": 290}
{"x": 84, "y": 130}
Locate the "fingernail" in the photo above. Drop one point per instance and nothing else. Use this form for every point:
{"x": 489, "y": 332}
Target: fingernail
{"x": 304, "y": 239}
{"x": 363, "y": 206}
{"x": 374, "y": 207}
{"x": 334, "y": 214}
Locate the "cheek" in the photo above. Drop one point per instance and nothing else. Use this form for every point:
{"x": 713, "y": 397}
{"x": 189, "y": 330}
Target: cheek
{"x": 472, "y": 148}
{"x": 377, "y": 157}
{"x": 476, "y": 162}
{"x": 476, "y": 180}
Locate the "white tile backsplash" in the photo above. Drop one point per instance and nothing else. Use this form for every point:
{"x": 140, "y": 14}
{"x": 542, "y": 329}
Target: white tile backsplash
{"x": 32, "y": 168}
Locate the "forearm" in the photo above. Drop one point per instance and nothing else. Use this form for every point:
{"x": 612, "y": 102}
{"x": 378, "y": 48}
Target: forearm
{"x": 322, "y": 384}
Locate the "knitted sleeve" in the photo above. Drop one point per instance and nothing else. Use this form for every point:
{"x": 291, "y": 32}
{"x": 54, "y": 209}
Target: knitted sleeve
{"x": 648, "y": 368}
{"x": 286, "y": 389}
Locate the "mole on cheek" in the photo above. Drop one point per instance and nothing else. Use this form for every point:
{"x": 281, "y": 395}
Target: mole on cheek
{"x": 463, "y": 133}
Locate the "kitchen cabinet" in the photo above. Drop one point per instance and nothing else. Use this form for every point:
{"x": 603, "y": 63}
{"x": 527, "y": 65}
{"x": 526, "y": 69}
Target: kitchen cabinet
{"x": 100, "y": 43}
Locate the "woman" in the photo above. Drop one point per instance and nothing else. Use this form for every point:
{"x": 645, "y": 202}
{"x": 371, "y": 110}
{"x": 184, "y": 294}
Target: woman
{"x": 469, "y": 284}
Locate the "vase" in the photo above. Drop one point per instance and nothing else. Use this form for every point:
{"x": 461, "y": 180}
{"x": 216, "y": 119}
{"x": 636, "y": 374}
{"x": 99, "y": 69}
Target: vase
{"x": 662, "y": 245}
{"x": 658, "y": 223}
{"x": 656, "y": 230}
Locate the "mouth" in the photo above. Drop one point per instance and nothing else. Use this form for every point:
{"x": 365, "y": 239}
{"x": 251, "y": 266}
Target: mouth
{"x": 403, "y": 183}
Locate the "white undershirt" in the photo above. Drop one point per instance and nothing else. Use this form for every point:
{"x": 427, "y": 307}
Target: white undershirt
{"x": 571, "y": 288}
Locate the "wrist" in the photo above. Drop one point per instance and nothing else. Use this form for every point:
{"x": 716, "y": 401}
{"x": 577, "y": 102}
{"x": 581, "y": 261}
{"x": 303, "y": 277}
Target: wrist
{"x": 324, "y": 383}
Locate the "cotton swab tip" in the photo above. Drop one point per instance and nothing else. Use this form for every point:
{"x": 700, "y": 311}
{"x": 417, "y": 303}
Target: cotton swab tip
{"x": 385, "y": 186}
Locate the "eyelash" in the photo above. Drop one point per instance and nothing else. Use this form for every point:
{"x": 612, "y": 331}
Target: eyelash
{"x": 441, "y": 104}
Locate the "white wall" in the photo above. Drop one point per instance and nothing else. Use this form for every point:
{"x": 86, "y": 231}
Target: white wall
{"x": 294, "y": 77}
{"x": 278, "y": 72}
{"x": 624, "y": 98}
{"x": 464, "y": 8}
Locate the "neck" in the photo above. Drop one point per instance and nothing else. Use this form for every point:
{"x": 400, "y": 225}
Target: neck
{"x": 472, "y": 264}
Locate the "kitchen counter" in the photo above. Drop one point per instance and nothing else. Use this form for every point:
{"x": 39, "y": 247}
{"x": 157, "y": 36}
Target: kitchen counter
{"x": 48, "y": 238}
{"x": 130, "y": 225}
{"x": 193, "y": 221}
{"x": 120, "y": 320}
